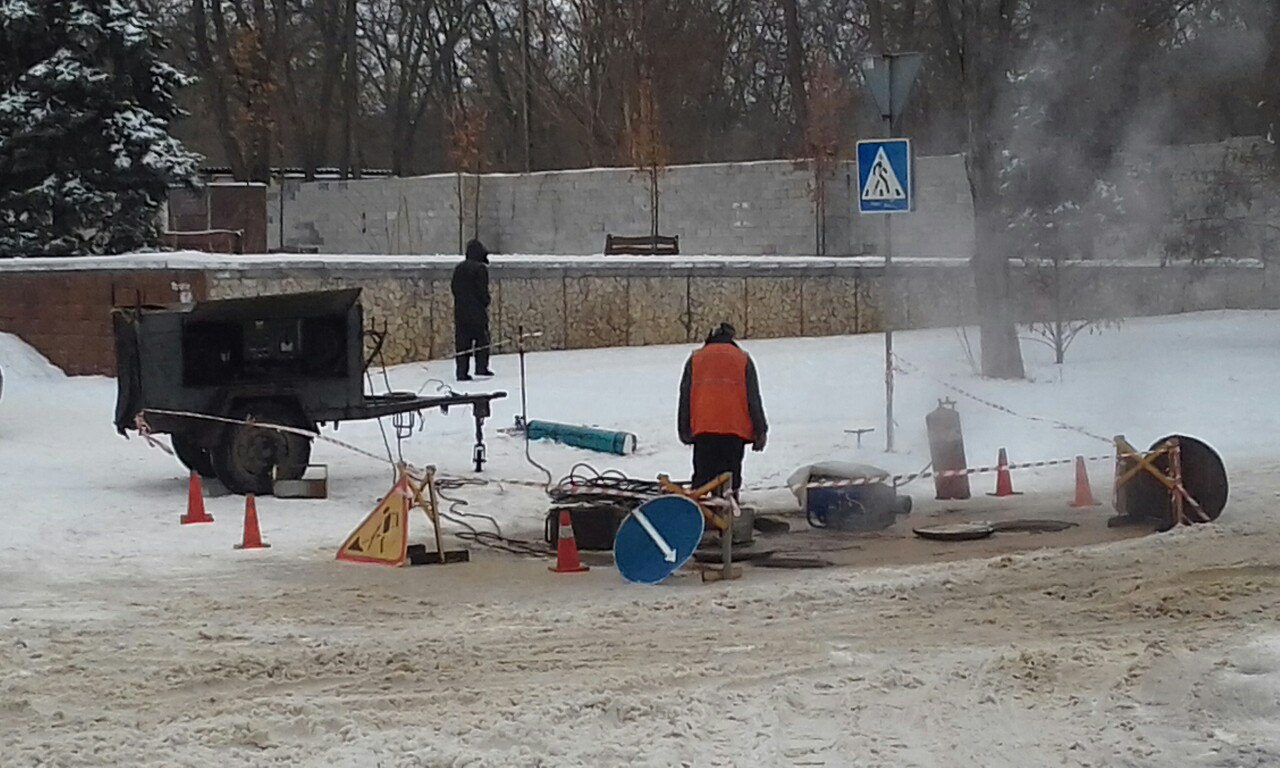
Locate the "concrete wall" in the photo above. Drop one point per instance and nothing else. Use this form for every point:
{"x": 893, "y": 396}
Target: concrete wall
{"x": 767, "y": 208}
{"x": 760, "y": 208}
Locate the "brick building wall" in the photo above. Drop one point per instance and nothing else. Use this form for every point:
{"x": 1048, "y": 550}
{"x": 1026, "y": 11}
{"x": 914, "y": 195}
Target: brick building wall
{"x": 67, "y": 314}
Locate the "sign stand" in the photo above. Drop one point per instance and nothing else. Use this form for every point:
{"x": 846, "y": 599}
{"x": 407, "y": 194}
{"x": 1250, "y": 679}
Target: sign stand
{"x": 720, "y": 509}
{"x": 430, "y": 505}
{"x": 889, "y": 78}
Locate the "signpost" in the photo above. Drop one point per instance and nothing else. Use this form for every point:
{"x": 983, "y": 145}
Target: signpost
{"x": 884, "y": 179}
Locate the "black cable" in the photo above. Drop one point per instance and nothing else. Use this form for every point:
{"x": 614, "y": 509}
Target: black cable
{"x": 491, "y": 539}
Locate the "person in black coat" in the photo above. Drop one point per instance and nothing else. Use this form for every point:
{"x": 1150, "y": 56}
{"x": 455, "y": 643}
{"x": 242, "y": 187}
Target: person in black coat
{"x": 471, "y": 311}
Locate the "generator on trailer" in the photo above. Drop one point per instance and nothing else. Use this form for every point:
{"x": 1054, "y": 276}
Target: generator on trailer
{"x": 295, "y": 360}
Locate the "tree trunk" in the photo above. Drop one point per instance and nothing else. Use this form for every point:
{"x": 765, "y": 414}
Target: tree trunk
{"x": 795, "y": 61}
{"x": 350, "y": 89}
{"x": 1001, "y": 354}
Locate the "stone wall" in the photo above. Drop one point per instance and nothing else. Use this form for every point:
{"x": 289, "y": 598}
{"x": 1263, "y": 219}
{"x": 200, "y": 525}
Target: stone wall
{"x": 761, "y": 208}
{"x": 583, "y": 307}
{"x": 62, "y": 307}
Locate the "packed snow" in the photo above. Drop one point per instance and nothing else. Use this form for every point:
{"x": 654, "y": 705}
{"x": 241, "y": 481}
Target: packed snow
{"x": 126, "y": 639}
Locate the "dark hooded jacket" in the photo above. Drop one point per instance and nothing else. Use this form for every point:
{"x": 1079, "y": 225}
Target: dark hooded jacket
{"x": 471, "y": 287}
{"x": 750, "y": 425}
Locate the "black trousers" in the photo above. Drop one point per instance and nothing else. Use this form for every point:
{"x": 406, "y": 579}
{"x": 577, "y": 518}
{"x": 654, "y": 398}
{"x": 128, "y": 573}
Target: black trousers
{"x": 713, "y": 455}
{"x": 471, "y": 338}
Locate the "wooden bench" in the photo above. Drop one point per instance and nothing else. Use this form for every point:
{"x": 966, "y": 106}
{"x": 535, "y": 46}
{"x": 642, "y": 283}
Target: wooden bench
{"x": 647, "y": 245}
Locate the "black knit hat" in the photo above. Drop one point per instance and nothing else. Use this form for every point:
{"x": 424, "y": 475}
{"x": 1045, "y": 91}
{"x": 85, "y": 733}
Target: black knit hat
{"x": 723, "y": 331}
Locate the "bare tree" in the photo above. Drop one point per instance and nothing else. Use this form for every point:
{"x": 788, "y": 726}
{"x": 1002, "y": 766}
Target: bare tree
{"x": 411, "y": 52}
{"x": 981, "y": 38}
{"x": 233, "y": 49}
{"x": 1064, "y": 302}
{"x": 648, "y": 151}
{"x": 825, "y": 141}
{"x": 467, "y": 135}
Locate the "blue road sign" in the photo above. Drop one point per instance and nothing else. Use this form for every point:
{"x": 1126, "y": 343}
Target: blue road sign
{"x": 884, "y": 176}
{"x": 657, "y": 537}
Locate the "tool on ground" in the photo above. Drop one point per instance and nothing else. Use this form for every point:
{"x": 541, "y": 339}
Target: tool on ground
{"x": 196, "y": 513}
{"x": 252, "y": 538}
{"x": 859, "y": 433}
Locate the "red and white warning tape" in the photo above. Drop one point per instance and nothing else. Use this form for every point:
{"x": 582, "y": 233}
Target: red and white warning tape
{"x": 264, "y": 425}
{"x": 897, "y": 480}
{"x": 894, "y": 480}
{"x": 905, "y": 366}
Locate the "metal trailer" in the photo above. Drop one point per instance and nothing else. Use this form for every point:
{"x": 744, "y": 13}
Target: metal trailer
{"x": 297, "y": 360}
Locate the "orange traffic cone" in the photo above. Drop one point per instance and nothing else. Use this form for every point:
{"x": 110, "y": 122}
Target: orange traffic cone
{"x": 195, "y": 503}
{"x": 567, "y": 548}
{"x": 1004, "y": 483}
{"x": 1084, "y": 494}
{"x": 252, "y": 536}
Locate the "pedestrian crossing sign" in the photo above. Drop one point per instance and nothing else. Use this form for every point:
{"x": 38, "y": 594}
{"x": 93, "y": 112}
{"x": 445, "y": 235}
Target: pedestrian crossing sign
{"x": 884, "y": 176}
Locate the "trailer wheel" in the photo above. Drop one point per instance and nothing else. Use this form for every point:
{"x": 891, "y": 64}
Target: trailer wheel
{"x": 192, "y": 455}
{"x": 245, "y": 455}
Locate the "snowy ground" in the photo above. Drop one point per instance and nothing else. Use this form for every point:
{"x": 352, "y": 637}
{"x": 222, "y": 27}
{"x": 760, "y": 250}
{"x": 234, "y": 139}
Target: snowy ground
{"x": 128, "y": 640}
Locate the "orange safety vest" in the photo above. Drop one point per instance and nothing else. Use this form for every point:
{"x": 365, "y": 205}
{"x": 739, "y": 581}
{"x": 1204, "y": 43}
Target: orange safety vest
{"x": 718, "y": 392}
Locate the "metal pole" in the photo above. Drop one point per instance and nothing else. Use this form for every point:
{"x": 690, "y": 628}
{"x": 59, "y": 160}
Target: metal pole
{"x": 524, "y": 401}
{"x": 886, "y": 317}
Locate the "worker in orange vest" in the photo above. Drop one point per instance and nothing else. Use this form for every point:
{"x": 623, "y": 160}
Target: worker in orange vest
{"x": 720, "y": 410}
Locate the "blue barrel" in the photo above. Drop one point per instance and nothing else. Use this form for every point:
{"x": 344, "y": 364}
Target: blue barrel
{"x": 590, "y": 438}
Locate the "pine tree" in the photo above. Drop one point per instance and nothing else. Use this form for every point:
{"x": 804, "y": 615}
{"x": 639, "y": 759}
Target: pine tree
{"x": 86, "y": 158}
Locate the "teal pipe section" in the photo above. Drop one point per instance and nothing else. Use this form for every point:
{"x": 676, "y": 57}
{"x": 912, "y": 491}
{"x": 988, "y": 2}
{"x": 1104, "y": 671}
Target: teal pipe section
{"x": 590, "y": 438}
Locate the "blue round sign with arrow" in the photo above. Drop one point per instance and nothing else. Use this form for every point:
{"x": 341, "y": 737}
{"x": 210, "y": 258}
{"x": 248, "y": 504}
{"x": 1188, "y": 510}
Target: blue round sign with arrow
{"x": 657, "y": 537}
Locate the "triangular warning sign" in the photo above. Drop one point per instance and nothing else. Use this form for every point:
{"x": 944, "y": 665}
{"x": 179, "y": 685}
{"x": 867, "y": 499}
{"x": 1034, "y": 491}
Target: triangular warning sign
{"x": 882, "y": 183}
{"x": 383, "y": 536}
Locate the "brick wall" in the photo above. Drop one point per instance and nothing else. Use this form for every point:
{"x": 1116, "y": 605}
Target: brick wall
{"x": 67, "y": 314}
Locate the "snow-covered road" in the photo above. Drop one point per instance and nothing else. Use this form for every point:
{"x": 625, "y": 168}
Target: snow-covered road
{"x": 128, "y": 640}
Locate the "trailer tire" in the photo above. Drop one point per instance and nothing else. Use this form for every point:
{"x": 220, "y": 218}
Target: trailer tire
{"x": 193, "y": 456}
{"x": 245, "y": 455}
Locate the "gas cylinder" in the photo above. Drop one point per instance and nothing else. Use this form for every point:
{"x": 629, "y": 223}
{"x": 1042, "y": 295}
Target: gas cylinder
{"x": 946, "y": 449}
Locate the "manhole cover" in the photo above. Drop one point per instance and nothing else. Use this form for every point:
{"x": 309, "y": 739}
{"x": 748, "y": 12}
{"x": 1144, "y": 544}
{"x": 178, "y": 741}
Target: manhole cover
{"x": 955, "y": 531}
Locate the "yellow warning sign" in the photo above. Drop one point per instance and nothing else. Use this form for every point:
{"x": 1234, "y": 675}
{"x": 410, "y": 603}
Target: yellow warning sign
{"x": 383, "y": 537}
